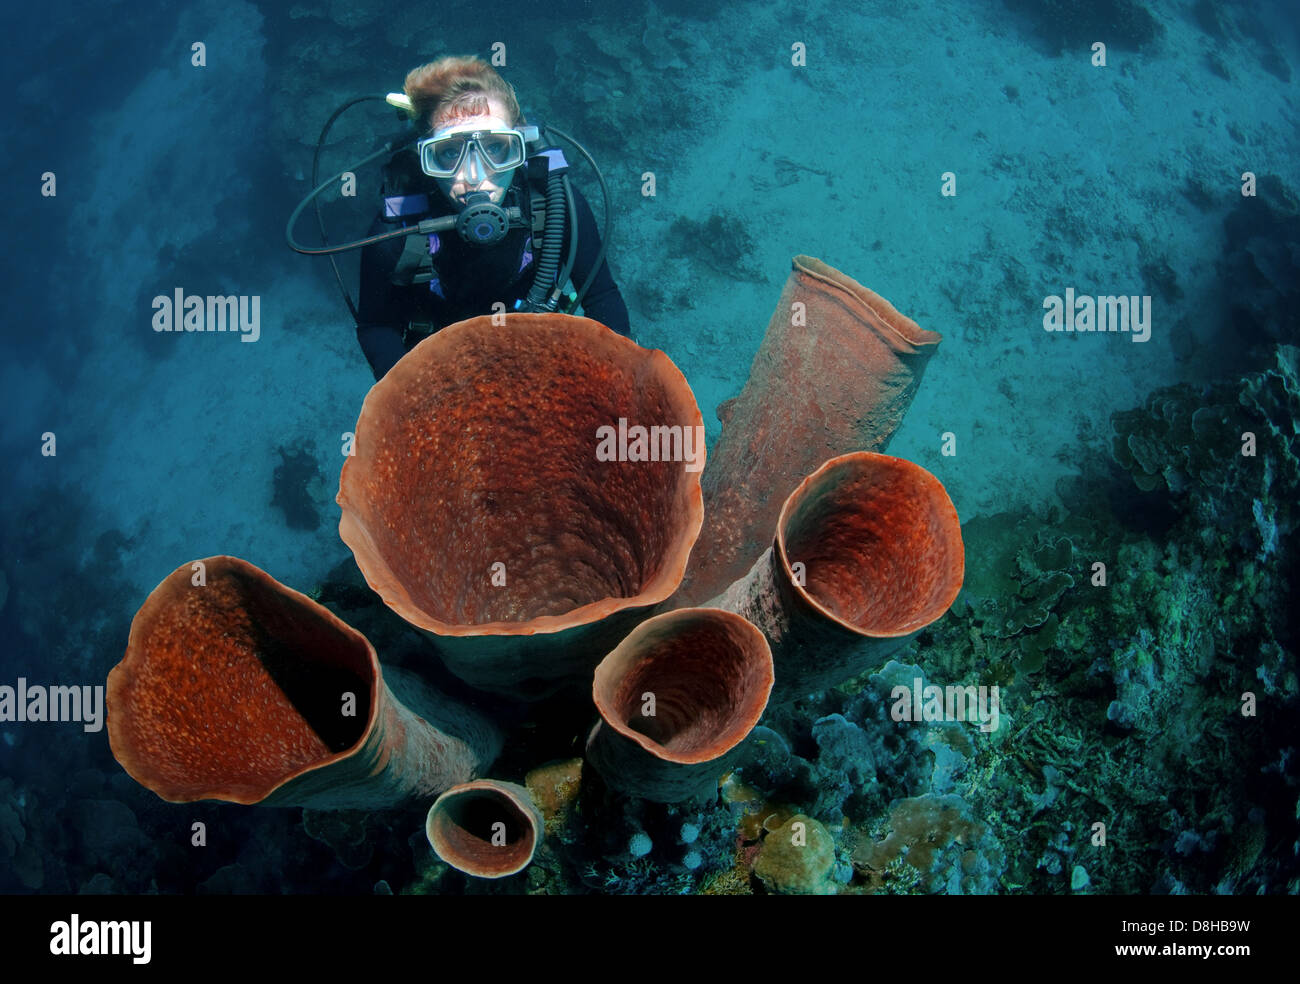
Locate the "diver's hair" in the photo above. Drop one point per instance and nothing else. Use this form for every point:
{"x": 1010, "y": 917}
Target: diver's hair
{"x": 458, "y": 86}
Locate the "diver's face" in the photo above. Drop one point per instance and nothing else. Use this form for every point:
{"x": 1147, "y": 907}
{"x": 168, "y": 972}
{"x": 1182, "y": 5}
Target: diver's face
{"x": 474, "y": 174}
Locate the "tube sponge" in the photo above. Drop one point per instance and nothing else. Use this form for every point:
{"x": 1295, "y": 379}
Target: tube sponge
{"x": 480, "y": 506}
{"x": 238, "y": 688}
{"x": 675, "y": 698}
{"x": 485, "y": 828}
{"x": 868, "y": 552}
{"x": 835, "y": 373}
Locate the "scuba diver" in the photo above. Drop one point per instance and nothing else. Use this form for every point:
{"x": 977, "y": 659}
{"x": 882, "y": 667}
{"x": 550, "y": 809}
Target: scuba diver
{"x": 486, "y": 218}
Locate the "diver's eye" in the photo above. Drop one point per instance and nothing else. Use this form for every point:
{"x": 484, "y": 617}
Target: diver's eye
{"x": 448, "y": 152}
{"x": 497, "y": 149}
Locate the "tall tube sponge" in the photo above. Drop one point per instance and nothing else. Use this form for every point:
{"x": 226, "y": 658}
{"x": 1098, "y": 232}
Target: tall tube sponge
{"x": 676, "y": 698}
{"x": 868, "y": 552}
{"x": 835, "y": 373}
{"x": 235, "y": 687}
{"x": 483, "y": 508}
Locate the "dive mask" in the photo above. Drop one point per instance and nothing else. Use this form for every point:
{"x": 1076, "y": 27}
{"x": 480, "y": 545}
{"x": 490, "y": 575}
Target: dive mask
{"x": 444, "y": 154}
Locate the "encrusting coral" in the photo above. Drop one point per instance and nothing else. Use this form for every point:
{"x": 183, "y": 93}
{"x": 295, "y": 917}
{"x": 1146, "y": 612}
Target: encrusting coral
{"x": 922, "y": 830}
{"x": 797, "y": 858}
{"x": 554, "y": 787}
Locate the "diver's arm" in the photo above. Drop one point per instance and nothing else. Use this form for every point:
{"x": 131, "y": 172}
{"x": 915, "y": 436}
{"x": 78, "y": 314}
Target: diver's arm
{"x": 603, "y": 302}
{"x": 381, "y": 319}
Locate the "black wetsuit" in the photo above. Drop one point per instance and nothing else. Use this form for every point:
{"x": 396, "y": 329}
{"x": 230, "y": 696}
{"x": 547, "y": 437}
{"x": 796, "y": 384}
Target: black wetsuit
{"x": 468, "y": 280}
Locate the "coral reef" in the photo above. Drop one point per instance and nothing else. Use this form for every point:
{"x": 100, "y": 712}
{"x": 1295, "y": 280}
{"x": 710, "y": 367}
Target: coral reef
{"x": 1230, "y": 452}
{"x": 936, "y": 836}
{"x": 1175, "y": 614}
{"x": 630, "y": 846}
{"x": 1126, "y": 637}
{"x": 424, "y": 426}
{"x": 1123, "y": 635}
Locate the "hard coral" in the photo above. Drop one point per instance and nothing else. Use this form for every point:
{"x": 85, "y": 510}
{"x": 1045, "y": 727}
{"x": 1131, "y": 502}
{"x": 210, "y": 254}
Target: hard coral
{"x": 936, "y": 835}
{"x": 1192, "y": 442}
{"x": 797, "y": 858}
{"x": 554, "y": 787}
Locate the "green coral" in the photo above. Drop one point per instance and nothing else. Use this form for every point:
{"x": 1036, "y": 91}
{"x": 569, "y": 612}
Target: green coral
{"x": 1236, "y": 445}
{"x": 941, "y": 840}
{"x": 1126, "y": 696}
{"x": 1016, "y": 594}
{"x": 797, "y": 858}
